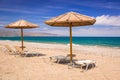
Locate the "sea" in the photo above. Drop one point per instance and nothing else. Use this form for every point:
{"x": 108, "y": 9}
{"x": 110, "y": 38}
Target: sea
{"x": 88, "y": 41}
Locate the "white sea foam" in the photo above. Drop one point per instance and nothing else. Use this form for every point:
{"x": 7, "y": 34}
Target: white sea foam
{"x": 73, "y": 44}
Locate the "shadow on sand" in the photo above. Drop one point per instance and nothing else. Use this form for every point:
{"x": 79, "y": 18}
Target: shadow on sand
{"x": 34, "y": 55}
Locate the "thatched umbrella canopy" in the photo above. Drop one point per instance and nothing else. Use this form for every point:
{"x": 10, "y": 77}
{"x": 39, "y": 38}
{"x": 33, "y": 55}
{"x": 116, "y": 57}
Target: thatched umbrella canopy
{"x": 21, "y": 24}
{"x": 71, "y": 19}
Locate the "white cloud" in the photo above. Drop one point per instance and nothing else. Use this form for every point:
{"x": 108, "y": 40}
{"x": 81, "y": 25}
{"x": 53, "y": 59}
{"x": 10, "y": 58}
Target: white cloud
{"x": 108, "y": 20}
{"x": 106, "y": 31}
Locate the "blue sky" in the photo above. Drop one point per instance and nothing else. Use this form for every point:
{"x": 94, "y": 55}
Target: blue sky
{"x": 106, "y": 12}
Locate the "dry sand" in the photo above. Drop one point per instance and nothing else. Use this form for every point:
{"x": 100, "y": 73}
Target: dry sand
{"x": 36, "y": 68}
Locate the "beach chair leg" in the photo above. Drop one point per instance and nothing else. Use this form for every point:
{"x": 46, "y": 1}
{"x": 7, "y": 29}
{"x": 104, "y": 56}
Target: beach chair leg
{"x": 15, "y": 53}
{"x": 70, "y": 65}
{"x": 36, "y": 54}
{"x": 87, "y": 65}
{"x": 33, "y": 55}
{"x": 93, "y": 65}
{"x": 81, "y": 67}
{"x": 50, "y": 59}
{"x": 58, "y": 61}
{"x": 26, "y": 54}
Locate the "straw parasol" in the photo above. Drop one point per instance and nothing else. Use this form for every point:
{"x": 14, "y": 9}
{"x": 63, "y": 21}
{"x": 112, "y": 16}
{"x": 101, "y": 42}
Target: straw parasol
{"x": 71, "y": 19}
{"x": 21, "y": 24}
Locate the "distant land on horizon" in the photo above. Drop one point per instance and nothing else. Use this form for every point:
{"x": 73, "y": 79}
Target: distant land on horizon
{"x": 12, "y": 33}
{"x": 15, "y": 33}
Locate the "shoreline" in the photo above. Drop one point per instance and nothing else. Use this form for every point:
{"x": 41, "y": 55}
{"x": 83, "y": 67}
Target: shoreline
{"x": 65, "y": 44}
{"x": 113, "y": 42}
{"x": 98, "y": 50}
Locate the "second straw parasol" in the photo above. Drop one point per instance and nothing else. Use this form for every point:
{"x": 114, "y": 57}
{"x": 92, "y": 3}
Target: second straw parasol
{"x": 71, "y": 19}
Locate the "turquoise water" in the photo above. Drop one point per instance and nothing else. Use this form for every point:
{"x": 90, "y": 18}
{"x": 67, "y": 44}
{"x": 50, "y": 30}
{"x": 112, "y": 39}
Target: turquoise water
{"x": 92, "y": 41}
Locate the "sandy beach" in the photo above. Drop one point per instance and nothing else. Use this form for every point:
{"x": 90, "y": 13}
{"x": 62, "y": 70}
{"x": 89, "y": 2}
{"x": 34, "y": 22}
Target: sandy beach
{"x": 40, "y": 68}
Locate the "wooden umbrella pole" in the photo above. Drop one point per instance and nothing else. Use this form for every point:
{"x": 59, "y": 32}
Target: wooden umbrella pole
{"x": 71, "y": 43}
{"x": 22, "y": 38}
